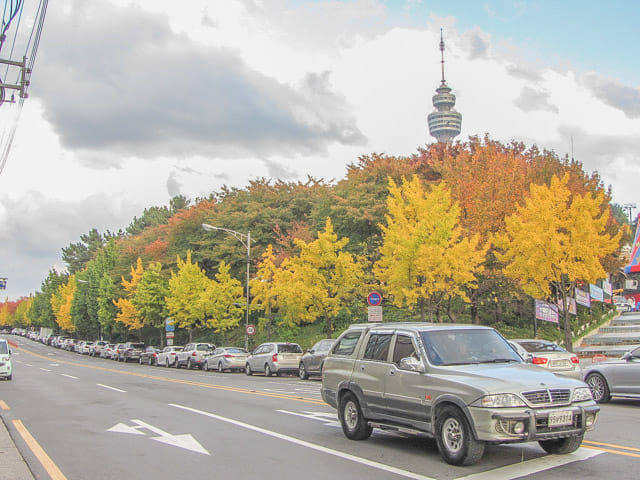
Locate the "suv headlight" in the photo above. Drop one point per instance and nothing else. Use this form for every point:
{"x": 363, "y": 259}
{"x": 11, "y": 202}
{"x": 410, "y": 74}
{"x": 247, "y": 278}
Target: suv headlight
{"x": 501, "y": 400}
{"x": 582, "y": 394}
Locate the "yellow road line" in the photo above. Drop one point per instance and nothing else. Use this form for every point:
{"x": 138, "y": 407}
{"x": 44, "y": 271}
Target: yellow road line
{"x": 617, "y": 452}
{"x": 51, "y": 468}
{"x": 215, "y": 386}
{"x": 3, "y": 406}
{"x": 611, "y": 445}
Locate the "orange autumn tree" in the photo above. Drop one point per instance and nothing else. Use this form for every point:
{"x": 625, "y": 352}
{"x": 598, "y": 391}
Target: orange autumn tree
{"x": 128, "y": 315}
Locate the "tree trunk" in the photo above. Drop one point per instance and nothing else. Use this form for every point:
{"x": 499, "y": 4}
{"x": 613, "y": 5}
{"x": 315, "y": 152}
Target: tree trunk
{"x": 450, "y": 314}
{"x": 329, "y": 327}
{"x": 475, "y": 317}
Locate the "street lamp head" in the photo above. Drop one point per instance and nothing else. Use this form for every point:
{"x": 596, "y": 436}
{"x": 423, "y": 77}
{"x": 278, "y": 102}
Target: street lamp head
{"x": 208, "y": 227}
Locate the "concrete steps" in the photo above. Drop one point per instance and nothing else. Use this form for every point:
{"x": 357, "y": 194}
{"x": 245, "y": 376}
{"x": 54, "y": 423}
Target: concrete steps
{"x": 614, "y": 340}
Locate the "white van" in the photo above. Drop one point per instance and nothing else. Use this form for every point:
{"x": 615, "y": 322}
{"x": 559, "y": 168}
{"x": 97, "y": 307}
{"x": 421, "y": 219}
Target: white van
{"x": 5, "y": 359}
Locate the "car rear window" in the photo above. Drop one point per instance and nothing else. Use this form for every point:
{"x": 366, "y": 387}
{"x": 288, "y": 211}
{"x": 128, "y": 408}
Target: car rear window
{"x": 541, "y": 347}
{"x": 347, "y": 344}
{"x": 289, "y": 348}
{"x": 137, "y": 345}
{"x": 203, "y": 347}
{"x": 236, "y": 350}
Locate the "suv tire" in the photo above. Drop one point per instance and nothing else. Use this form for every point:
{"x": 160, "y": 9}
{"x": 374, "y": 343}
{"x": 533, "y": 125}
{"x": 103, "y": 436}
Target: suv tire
{"x": 189, "y": 364}
{"x": 302, "y": 372}
{"x": 561, "y": 446}
{"x": 599, "y": 388}
{"x": 455, "y": 439}
{"x": 354, "y": 425}
{"x": 267, "y": 370}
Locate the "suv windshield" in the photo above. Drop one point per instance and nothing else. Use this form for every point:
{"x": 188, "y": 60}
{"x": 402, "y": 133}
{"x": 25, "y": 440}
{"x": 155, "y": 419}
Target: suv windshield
{"x": 463, "y": 346}
{"x": 289, "y": 348}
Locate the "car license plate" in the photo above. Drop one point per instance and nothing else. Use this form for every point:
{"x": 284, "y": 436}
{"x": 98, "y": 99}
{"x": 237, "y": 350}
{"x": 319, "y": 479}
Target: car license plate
{"x": 559, "y": 364}
{"x": 557, "y": 419}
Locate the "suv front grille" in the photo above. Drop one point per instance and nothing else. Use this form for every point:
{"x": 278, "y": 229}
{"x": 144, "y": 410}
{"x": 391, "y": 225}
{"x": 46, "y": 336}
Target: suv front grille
{"x": 556, "y": 396}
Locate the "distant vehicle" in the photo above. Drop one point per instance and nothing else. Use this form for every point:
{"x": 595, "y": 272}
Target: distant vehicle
{"x": 227, "y": 358}
{"x": 106, "y": 350}
{"x": 87, "y": 347}
{"x": 274, "y": 358}
{"x": 115, "y": 351}
{"x": 194, "y": 355}
{"x": 615, "y": 378}
{"x": 97, "y": 347}
{"x": 5, "y": 360}
{"x": 544, "y": 353}
{"x": 131, "y": 351}
{"x": 149, "y": 356}
{"x": 167, "y": 357}
{"x": 311, "y": 362}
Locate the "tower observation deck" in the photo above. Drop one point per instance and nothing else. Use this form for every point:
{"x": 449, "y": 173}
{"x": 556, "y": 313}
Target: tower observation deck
{"x": 445, "y": 123}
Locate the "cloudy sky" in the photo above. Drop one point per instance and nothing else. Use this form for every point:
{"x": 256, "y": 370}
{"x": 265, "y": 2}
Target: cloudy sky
{"x": 135, "y": 101}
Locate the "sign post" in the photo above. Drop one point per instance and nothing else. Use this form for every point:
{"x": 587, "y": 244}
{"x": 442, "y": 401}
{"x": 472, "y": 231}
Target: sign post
{"x": 374, "y": 311}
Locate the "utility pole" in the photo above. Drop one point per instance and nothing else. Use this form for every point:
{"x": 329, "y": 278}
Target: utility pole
{"x": 628, "y": 207}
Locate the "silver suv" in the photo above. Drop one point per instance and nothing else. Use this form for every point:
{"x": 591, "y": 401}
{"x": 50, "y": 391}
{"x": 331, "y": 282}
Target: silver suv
{"x": 274, "y": 358}
{"x": 194, "y": 355}
{"x": 463, "y": 384}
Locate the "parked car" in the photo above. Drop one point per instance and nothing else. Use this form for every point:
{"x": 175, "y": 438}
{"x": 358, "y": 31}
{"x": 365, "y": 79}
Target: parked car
{"x": 115, "y": 351}
{"x": 463, "y": 384}
{"x": 311, "y": 362}
{"x": 69, "y": 344}
{"x": 149, "y": 355}
{"x": 194, "y": 355}
{"x": 544, "y": 353}
{"x": 274, "y": 358}
{"x": 617, "y": 378}
{"x": 131, "y": 351}
{"x": 86, "y": 348}
{"x": 97, "y": 347}
{"x": 227, "y": 358}
{"x": 167, "y": 357}
{"x": 5, "y": 360}
{"x": 107, "y": 350}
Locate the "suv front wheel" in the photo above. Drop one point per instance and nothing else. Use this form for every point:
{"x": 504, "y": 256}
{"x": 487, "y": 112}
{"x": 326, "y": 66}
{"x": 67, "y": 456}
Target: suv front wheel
{"x": 455, "y": 439}
{"x": 354, "y": 425}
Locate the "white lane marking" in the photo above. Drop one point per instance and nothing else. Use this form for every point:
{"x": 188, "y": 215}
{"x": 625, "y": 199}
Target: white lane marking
{"x": 111, "y": 388}
{"x": 28, "y": 365}
{"x": 45, "y": 369}
{"x": 313, "y": 446}
{"x": 69, "y": 376}
{"x": 328, "y": 419}
{"x": 54, "y": 364}
{"x": 183, "y": 441}
{"x": 531, "y": 467}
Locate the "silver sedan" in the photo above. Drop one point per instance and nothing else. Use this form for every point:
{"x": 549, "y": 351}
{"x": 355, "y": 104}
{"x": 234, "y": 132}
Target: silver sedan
{"x": 167, "y": 357}
{"x": 617, "y": 378}
{"x": 227, "y": 358}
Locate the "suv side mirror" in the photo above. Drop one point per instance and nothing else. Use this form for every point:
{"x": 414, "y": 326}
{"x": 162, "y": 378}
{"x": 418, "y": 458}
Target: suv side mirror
{"x": 412, "y": 364}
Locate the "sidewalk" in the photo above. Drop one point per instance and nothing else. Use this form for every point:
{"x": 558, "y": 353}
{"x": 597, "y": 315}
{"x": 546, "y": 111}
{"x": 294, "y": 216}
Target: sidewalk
{"x": 12, "y": 465}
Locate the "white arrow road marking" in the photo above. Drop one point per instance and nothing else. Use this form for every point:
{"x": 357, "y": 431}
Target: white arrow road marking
{"x": 185, "y": 441}
{"x": 122, "y": 428}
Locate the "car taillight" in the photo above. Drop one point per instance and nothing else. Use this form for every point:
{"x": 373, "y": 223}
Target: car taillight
{"x": 539, "y": 360}
{"x": 274, "y": 357}
{"x": 129, "y": 349}
{"x": 228, "y": 356}
{"x": 155, "y": 354}
{"x": 193, "y": 354}
{"x": 173, "y": 353}
{"x": 575, "y": 360}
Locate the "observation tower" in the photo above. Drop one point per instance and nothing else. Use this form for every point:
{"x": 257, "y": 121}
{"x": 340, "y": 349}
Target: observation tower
{"x": 445, "y": 123}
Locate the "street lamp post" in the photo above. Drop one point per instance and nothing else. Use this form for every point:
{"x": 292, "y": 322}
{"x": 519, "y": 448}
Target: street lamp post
{"x": 247, "y": 244}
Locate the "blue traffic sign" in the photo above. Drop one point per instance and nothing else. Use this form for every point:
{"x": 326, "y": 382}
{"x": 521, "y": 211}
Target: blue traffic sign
{"x": 374, "y": 299}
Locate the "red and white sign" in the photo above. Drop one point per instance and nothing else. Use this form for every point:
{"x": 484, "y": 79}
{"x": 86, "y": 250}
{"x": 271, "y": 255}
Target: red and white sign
{"x": 251, "y": 330}
{"x": 170, "y": 334}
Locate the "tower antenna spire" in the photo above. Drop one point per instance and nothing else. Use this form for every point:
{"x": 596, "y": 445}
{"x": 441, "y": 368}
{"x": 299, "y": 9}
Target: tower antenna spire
{"x": 442, "y": 54}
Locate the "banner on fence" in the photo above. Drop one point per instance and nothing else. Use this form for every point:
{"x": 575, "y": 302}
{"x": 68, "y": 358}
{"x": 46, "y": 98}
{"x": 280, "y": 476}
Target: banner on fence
{"x": 583, "y": 298}
{"x": 547, "y": 312}
{"x": 597, "y": 294}
{"x": 571, "y": 303}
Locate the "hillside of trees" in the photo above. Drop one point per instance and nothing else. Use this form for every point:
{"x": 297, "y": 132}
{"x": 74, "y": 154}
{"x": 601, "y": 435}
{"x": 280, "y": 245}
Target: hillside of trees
{"x": 469, "y": 232}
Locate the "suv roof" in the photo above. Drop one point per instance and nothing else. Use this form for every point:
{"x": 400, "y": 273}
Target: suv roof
{"x": 416, "y": 326}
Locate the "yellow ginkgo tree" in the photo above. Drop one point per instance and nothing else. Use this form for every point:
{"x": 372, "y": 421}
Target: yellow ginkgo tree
{"x": 264, "y": 289}
{"x": 319, "y": 282}
{"x": 425, "y": 258}
{"x": 128, "y": 315}
{"x": 61, "y": 304}
{"x": 555, "y": 239}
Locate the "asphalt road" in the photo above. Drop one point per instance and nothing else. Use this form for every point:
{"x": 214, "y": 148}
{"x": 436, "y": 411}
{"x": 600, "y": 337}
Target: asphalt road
{"x": 99, "y": 419}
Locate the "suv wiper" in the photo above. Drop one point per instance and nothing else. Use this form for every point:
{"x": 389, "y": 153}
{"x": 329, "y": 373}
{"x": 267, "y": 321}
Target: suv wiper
{"x": 500, "y": 360}
{"x": 474, "y": 362}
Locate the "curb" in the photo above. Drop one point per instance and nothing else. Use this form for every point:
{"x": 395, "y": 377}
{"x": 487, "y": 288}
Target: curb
{"x": 12, "y": 465}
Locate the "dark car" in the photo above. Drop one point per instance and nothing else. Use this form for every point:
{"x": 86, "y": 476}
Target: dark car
{"x": 311, "y": 362}
{"x": 131, "y": 351}
{"x": 149, "y": 356}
